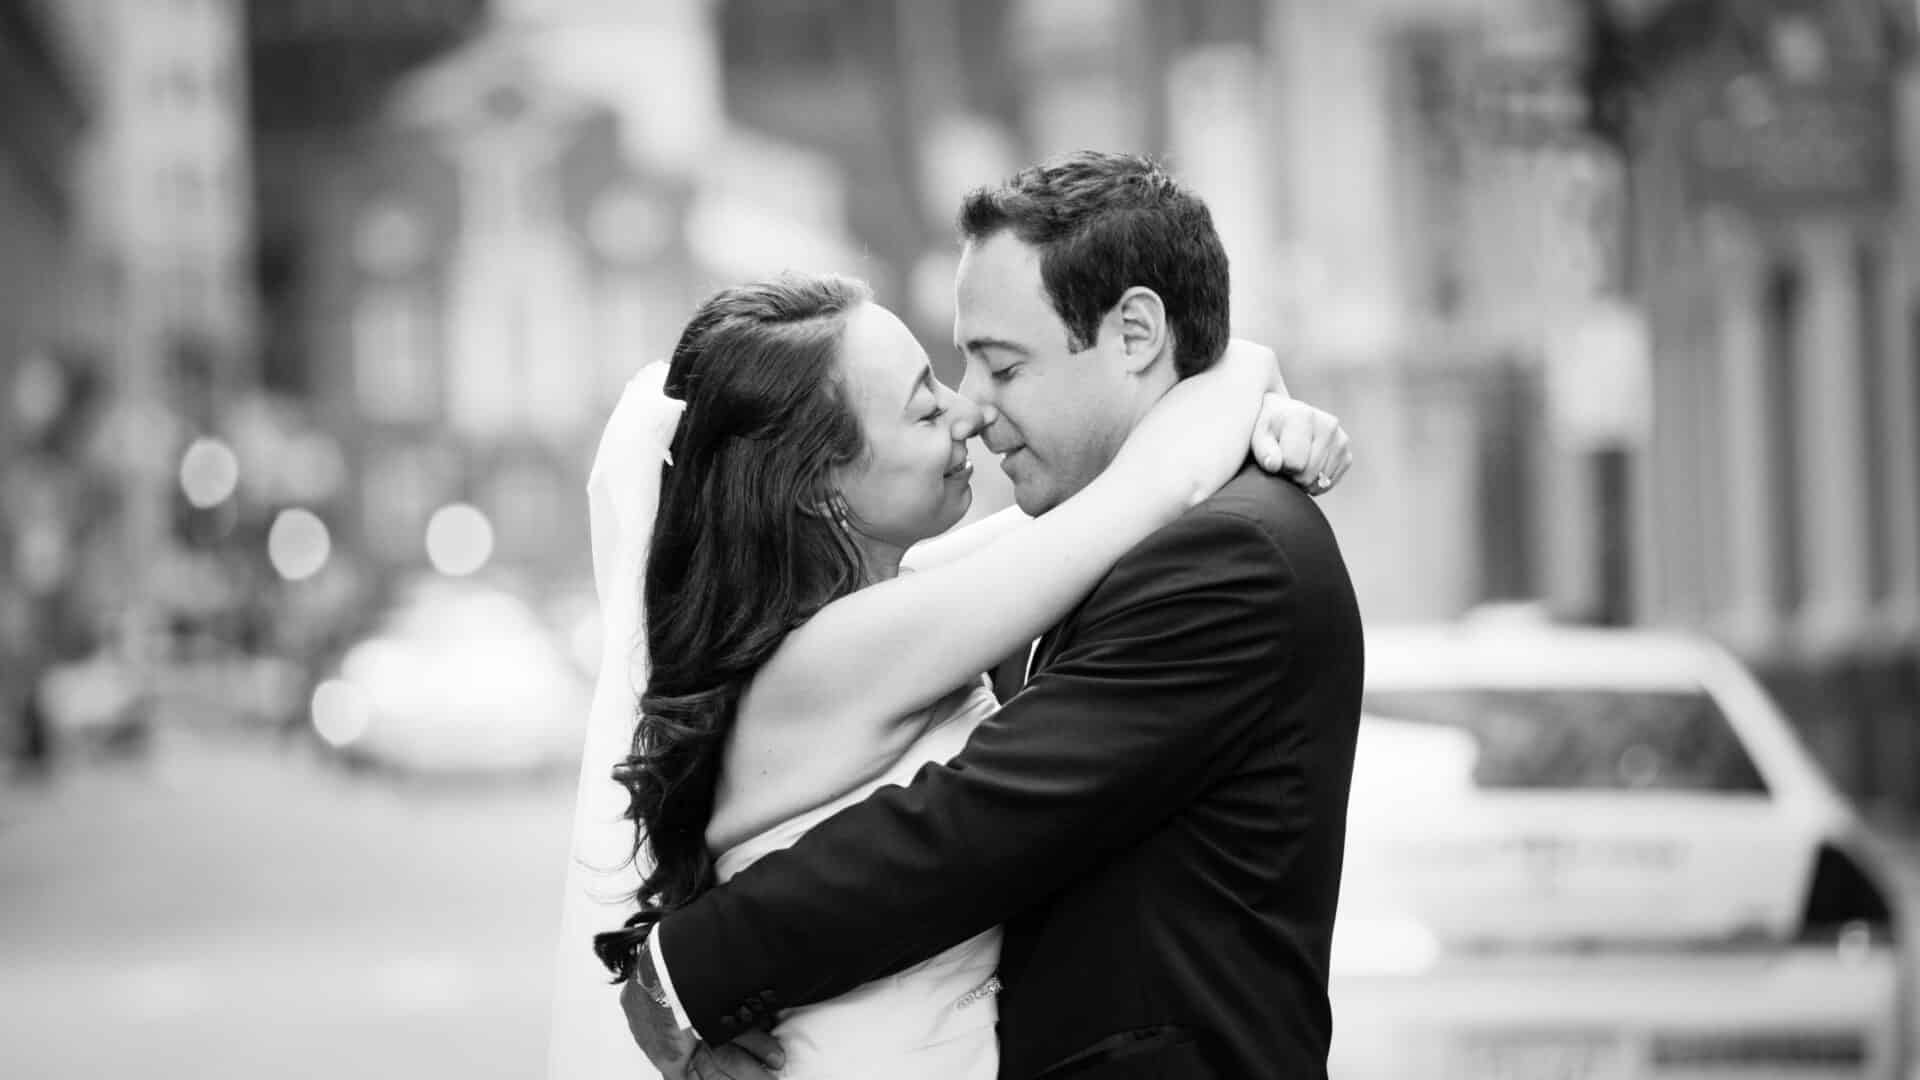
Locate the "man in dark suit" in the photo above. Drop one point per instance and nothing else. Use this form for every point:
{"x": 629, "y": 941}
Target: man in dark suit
{"x": 1158, "y": 817}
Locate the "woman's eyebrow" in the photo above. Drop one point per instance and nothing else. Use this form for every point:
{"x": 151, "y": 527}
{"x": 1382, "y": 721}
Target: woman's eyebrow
{"x": 925, "y": 380}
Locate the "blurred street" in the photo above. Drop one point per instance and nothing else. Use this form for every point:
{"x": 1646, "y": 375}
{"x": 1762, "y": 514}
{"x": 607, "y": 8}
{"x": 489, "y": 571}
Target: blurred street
{"x": 220, "y": 910}
{"x": 223, "y": 909}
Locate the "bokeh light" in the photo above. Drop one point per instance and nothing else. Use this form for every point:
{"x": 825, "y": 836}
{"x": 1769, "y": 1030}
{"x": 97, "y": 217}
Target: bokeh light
{"x": 298, "y": 544}
{"x": 459, "y": 539}
{"x": 209, "y": 472}
{"x": 340, "y": 712}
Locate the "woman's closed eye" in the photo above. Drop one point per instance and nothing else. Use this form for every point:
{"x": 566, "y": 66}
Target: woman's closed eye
{"x": 1003, "y": 374}
{"x": 938, "y": 412}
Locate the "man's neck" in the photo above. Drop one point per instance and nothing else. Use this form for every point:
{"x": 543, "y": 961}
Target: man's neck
{"x": 1130, "y": 411}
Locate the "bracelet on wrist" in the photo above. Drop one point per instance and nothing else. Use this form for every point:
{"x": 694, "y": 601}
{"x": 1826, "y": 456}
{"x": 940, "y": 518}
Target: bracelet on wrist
{"x": 647, "y": 977}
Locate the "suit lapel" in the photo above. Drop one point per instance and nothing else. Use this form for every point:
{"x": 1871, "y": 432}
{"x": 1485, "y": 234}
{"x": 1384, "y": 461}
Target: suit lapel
{"x": 1042, "y": 654}
{"x": 1037, "y": 658}
{"x": 1012, "y": 674}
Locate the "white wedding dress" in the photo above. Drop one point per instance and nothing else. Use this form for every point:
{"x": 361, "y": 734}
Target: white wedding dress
{"x": 933, "y": 1021}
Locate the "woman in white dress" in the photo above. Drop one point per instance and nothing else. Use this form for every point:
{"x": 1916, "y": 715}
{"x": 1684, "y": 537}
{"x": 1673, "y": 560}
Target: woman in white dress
{"x": 761, "y": 505}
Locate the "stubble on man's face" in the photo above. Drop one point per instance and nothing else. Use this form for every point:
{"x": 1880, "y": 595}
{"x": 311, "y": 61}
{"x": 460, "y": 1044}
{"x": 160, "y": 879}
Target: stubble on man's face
{"x": 1060, "y": 421}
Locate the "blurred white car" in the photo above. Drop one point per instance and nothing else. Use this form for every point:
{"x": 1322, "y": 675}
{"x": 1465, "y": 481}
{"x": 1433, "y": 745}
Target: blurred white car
{"x": 1598, "y": 855}
{"x": 457, "y": 676}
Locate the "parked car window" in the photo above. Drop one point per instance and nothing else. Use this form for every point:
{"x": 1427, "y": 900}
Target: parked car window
{"x": 1604, "y": 739}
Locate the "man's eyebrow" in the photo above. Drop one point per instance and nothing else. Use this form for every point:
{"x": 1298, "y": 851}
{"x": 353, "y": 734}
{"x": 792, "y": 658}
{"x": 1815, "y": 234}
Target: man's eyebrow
{"x": 982, "y": 343}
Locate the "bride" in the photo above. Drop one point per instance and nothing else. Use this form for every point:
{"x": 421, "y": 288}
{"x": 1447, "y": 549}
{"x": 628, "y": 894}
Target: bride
{"x": 773, "y": 506}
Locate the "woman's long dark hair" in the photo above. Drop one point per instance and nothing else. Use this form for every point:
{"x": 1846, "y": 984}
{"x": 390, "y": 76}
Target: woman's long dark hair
{"x": 741, "y": 554}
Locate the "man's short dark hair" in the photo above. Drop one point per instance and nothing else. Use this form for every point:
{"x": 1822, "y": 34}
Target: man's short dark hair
{"x": 1105, "y": 223}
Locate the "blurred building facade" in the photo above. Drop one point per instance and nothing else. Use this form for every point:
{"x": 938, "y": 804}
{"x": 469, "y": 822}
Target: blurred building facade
{"x": 45, "y": 113}
{"x": 518, "y": 220}
{"x": 144, "y": 315}
{"x": 500, "y": 266}
{"x": 319, "y": 70}
{"x": 1691, "y": 314}
{"x": 1438, "y": 215}
{"x": 1773, "y": 239}
{"x": 1702, "y": 300}
{"x": 167, "y": 283}
{"x": 164, "y": 282}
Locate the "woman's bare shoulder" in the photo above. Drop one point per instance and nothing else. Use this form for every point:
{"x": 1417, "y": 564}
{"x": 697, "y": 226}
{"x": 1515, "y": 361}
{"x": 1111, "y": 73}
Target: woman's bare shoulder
{"x": 778, "y": 765}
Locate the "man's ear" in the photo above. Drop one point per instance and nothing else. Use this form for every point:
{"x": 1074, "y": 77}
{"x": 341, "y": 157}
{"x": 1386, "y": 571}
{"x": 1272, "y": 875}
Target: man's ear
{"x": 1141, "y": 319}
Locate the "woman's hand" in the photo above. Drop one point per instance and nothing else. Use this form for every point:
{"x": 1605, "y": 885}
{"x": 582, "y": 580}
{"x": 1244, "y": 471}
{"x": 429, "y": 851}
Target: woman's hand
{"x": 1305, "y": 444}
{"x": 1292, "y": 438}
{"x": 1195, "y": 437}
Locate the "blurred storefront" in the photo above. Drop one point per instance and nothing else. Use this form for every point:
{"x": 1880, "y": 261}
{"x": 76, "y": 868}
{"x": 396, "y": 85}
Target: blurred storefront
{"x": 168, "y": 295}
{"x": 1663, "y": 254}
{"x": 44, "y": 114}
{"x": 1773, "y": 242}
{"x": 1438, "y": 219}
{"x": 141, "y": 324}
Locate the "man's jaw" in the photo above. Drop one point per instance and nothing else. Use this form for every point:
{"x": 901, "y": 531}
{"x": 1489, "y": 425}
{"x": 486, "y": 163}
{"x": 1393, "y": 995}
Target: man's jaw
{"x": 1029, "y": 482}
{"x": 1017, "y": 469}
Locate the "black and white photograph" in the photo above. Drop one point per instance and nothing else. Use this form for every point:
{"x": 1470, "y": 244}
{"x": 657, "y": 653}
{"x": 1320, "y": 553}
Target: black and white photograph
{"x": 960, "y": 539}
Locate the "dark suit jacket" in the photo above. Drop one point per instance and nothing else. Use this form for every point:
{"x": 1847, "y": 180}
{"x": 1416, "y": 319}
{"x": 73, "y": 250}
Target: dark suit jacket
{"x": 1158, "y": 820}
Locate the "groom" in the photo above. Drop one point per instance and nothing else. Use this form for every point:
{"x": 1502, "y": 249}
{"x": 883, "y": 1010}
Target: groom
{"x": 1158, "y": 817}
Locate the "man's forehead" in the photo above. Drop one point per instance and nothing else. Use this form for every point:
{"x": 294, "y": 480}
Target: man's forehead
{"x": 998, "y": 259}
{"x": 998, "y": 292}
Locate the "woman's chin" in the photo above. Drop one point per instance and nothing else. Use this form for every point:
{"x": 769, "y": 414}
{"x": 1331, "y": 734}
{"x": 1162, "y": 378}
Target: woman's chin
{"x": 956, "y": 509}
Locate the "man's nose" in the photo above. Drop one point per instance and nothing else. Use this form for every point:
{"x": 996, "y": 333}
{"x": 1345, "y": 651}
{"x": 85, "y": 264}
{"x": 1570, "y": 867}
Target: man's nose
{"x": 969, "y": 419}
{"x": 973, "y": 387}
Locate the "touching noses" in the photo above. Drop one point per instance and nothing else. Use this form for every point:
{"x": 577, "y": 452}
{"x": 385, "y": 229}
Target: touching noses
{"x": 973, "y": 403}
{"x": 968, "y": 419}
